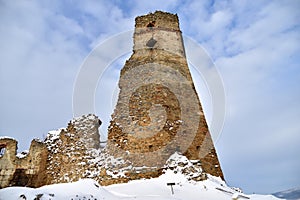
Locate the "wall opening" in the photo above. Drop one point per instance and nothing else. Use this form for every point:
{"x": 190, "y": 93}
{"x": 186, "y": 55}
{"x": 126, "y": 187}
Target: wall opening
{"x": 151, "y": 24}
{"x": 151, "y": 42}
{"x": 2, "y": 149}
{"x": 20, "y": 178}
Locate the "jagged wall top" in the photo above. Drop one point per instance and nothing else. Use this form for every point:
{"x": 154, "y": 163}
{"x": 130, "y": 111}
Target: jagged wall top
{"x": 158, "y": 19}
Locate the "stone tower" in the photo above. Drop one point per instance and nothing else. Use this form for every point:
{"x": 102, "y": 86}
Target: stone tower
{"x": 158, "y": 111}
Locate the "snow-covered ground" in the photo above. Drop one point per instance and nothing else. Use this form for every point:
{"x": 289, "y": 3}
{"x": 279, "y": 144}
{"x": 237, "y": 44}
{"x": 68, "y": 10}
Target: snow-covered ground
{"x": 153, "y": 189}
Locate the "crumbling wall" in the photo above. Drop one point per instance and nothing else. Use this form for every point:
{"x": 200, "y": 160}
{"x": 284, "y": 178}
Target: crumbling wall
{"x": 62, "y": 157}
{"x": 27, "y": 170}
{"x": 7, "y": 161}
{"x": 158, "y": 19}
{"x": 71, "y": 148}
{"x": 73, "y": 154}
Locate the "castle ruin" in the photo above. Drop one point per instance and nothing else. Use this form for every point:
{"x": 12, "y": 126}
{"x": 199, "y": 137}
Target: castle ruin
{"x": 158, "y": 114}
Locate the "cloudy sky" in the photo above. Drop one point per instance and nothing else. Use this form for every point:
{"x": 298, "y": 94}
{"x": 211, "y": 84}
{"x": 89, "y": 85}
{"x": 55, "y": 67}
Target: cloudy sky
{"x": 255, "y": 46}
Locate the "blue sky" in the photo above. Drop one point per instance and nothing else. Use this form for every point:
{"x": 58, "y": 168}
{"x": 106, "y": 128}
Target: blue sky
{"x": 254, "y": 45}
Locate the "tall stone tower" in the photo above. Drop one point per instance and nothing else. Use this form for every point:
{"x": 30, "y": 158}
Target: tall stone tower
{"x": 158, "y": 111}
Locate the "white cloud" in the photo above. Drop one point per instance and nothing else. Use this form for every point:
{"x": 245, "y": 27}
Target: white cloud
{"x": 259, "y": 68}
{"x": 273, "y": 20}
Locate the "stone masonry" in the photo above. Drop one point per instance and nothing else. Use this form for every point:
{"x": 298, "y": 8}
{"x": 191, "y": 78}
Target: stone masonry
{"x": 158, "y": 111}
{"x": 26, "y": 170}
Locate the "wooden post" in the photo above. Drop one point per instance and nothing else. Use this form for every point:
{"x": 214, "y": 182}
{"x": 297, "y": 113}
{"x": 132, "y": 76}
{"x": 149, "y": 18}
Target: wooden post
{"x": 171, "y": 184}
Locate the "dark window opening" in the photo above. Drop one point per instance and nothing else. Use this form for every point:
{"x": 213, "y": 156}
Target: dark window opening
{"x": 151, "y": 24}
{"x": 150, "y": 147}
{"x": 151, "y": 43}
{"x": 198, "y": 147}
{"x": 2, "y": 150}
{"x": 20, "y": 178}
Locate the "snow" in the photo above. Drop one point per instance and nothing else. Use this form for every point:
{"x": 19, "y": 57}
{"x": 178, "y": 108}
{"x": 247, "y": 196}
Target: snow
{"x": 22, "y": 154}
{"x": 152, "y": 189}
{"x": 6, "y": 137}
{"x": 82, "y": 189}
{"x": 52, "y": 136}
{"x": 178, "y": 170}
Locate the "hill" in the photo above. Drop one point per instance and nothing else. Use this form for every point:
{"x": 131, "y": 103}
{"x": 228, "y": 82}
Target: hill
{"x": 292, "y": 194}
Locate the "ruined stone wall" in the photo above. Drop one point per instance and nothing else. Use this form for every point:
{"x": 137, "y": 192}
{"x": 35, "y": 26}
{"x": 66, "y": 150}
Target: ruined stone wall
{"x": 66, "y": 155}
{"x": 62, "y": 157}
{"x": 74, "y": 155}
{"x": 25, "y": 170}
{"x": 69, "y": 149}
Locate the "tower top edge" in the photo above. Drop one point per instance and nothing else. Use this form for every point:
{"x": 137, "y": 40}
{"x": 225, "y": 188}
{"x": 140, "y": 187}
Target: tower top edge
{"x": 158, "y": 19}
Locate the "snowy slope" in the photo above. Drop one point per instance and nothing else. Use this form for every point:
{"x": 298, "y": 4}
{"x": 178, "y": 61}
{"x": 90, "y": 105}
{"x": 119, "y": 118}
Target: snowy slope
{"x": 183, "y": 190}
{"x": 152, "y": 189}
